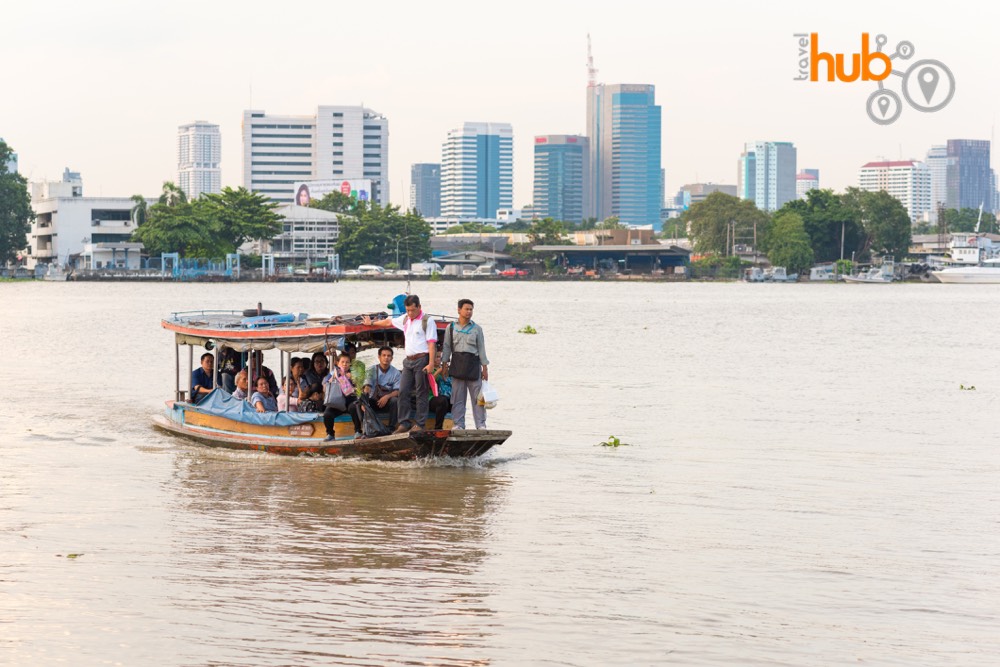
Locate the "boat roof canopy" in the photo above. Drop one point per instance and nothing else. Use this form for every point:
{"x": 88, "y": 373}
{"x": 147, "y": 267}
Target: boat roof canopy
{"x": 310, "y": 344}
{"x": 289, "y": 332}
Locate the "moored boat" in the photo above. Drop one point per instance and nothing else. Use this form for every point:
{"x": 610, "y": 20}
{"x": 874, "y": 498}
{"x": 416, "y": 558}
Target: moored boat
{"x": 987, "y": 272}
{"x": 220, "y": 420}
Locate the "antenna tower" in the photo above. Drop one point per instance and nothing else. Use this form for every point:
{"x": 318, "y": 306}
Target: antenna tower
{"x": 591, "y": 70}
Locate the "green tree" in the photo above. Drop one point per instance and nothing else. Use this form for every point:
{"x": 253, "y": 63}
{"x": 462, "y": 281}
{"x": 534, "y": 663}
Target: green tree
{"x": 547, "y": 232}
{"x": 239, "y": 216}
{"x": 965, "y": 220}
{"x": 828, "y": 218}
{"x": 470, "y": 228}
{"x": 15, "y": 209}
{"x": 335, "y": 202}
{"x": 887, "y": 225}
{"x": 712, "y": 223}
{"x": 172, "y": 195}
{"x": 374, "y": 235}
{"x": 788, "y": 243}
{"x": 140, "y": 210}
{"x": 611, "y": 223}
{"x": 187, "y": 228}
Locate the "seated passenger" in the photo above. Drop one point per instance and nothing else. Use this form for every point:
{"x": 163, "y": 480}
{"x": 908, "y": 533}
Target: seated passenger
{"x": 263, "y": 400}
{"x": 357, "y": 366}
{"x": 230, "y": 362}
{"x": 241, "y": 385}
{"x": 317, "y": 370}
{"x": 293, "y": 388}
{"x": 260, "y": 370}
{"x": 382, "y": 385}
{"x": 440, "y": 405}
{"x": 339, "y": 397}
{"x": 202, "y": 379}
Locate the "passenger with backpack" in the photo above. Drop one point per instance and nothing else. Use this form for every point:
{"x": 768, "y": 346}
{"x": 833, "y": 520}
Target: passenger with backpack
{"x": 420, "y": 340}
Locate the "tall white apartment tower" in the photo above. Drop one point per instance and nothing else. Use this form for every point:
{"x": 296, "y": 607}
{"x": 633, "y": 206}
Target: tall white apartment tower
{"x": 199, "y": 151}
{"x": 937, "y": 164}
{"x": 335, "y": 143}
{"x": 908, "y": 181}
{"x": 477, "y": 170}
{"x": 767, "y": 174}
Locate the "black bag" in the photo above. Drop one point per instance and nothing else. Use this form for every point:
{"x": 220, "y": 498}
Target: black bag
{"x": 463, "y": 365}
{"x": 371, "y": 425}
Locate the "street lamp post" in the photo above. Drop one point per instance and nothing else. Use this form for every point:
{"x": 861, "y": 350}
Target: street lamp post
{"x": 398, "y": 241}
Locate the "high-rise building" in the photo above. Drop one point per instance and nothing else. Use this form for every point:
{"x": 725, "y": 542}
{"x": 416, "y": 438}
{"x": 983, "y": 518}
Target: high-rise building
{"x": 425, "y": 189}
{"x": 694, "y": 193}
{"x": 477, "y": 170}
{"x": 806, "y": 180}
{"x": 937, "y": 163}
{"x": 12, "y": 162}
{"x": 336, "y": 143}
{"x": 908, "y": 181}
{"x": 560, "y": 175}
{"x": 623, "y": 128}
{"x": 969, "y": 183}
{"x": 766, "y": 174}
{"x": 199, "y": 151}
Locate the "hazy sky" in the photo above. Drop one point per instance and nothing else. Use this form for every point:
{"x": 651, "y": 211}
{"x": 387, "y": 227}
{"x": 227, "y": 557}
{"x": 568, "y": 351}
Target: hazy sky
{"x": 101, "y": 86}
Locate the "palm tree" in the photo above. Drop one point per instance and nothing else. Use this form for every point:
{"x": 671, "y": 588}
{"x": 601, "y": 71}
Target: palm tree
{"x": 140, "y": 211}
{"x": 172, "y": 194}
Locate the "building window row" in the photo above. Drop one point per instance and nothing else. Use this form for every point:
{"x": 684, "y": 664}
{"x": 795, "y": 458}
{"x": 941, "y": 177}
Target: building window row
{"x": 283, "y": 127}
{"x": 281, "y": 173}
{"x": 308, "y": 155}
{"x": 281, "y": 164}
{"x": 282, "y": 145}
{"x": 282, "y": 136}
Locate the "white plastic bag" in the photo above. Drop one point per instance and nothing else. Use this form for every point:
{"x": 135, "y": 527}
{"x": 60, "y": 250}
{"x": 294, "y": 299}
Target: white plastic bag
{"x": 488, "y": 396}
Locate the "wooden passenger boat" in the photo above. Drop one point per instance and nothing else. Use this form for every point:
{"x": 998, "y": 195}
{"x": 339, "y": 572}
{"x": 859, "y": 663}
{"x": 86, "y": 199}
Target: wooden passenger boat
{"x": 220, "y": 420}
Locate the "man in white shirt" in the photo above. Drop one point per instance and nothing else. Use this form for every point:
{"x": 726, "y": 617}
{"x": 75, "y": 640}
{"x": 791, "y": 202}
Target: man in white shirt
{"x": 420, "y": 336}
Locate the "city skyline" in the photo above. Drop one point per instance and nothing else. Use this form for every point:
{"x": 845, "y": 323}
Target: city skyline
{"x": 716, "y": 82}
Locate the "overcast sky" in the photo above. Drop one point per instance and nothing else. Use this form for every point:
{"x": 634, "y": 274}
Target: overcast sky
{"x": 101, "y": 86}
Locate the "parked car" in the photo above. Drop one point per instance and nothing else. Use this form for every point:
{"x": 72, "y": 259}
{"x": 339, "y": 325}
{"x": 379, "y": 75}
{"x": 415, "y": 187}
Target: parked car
{"x": 513, "y": 273}
{"x": 371, "y": 270}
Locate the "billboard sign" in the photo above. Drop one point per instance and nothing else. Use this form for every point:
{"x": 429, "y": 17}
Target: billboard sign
{"x": 357, "y": 189}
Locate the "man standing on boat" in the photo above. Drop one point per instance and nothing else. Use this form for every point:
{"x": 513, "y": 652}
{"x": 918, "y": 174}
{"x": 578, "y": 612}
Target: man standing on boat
{"x": 420, "y": 336}
{"x": 464, "y": 360}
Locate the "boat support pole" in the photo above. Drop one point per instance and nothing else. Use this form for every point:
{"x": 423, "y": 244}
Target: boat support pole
{"x": 177, "y": 370}
{"x": 281, "y": 362}
{"x": 190, "y": 371}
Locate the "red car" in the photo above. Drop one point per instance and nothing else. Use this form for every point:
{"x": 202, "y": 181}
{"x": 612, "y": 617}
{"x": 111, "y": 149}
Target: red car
{"x": 512, "y": 273}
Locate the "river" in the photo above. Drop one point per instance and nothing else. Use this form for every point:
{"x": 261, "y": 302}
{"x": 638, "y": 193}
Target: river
{"x": 805, "y": 482}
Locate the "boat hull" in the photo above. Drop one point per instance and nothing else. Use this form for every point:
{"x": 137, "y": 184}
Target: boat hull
{"x": 973, "y": 275}
{"x": 308, "y": 439}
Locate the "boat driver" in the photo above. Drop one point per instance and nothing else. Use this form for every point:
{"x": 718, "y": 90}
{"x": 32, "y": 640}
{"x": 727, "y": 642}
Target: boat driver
{"x": 202, "y": 381}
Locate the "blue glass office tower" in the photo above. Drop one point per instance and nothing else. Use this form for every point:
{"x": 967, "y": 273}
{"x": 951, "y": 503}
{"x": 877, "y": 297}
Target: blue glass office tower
{"x": 425, "y": 189}
{"x": 560, "y": 176}
{"x": 623, "y": 127}
{"x": 477, "y": 171}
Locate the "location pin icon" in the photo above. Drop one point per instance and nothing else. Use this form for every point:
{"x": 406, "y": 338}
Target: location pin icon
{"x": 883, "y": 105}
{"x": 928, "y": 79}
